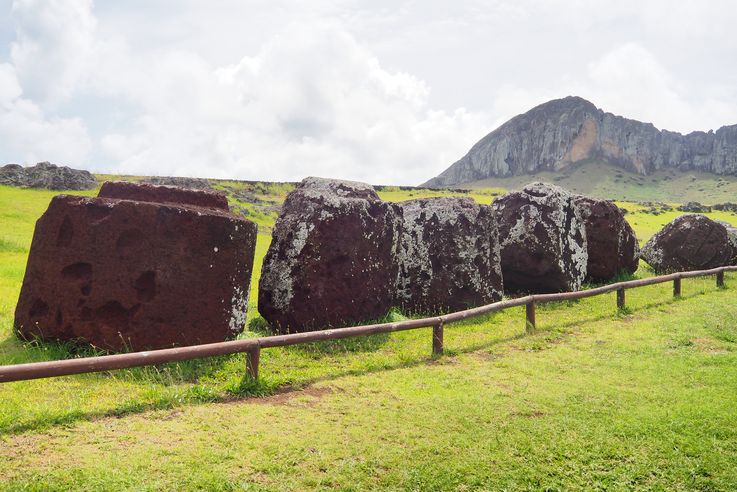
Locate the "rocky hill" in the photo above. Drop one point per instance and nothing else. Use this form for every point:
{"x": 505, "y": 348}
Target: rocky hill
{"x": 562, "y": 132}
{"x": 48, "y": 176}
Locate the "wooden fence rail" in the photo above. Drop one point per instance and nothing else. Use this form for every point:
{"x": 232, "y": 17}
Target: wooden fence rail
{"x": 252, "y": 346}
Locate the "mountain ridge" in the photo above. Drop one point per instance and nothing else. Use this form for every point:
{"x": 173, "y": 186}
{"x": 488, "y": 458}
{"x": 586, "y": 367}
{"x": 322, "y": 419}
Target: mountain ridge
{"x": 570, "y": 130}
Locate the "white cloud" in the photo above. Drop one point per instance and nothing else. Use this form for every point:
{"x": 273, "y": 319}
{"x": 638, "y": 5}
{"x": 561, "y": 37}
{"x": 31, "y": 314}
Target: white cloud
{"x": 278, "y": 90}
{"x": 311, "y": 101}
{"x": 28, "y": 134}
{"x": 54, "y": 42}
{"x": 631, "y": 81}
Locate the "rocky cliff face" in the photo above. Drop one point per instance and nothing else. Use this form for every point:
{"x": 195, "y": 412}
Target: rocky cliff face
{"x": 565, "y": 131}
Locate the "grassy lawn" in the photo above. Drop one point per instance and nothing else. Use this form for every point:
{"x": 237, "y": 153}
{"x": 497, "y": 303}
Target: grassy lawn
{"x": 595, "y": 399}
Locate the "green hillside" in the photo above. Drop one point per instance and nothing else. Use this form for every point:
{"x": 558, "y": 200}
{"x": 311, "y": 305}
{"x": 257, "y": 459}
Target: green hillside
{"x": 643, "y": 399}
{"x": 607, "y": 181}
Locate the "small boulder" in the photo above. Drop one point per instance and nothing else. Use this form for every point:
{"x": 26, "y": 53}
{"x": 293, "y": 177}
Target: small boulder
{"x": 449, "y": 257}
{"x": 689, "y": 242}
{"x": 611, "y": 242}
{"x": 331, "y": 261}
{"x": 126, "y": 273}
{"x": 694, "y": 207}
{"x": 543, "y": 240}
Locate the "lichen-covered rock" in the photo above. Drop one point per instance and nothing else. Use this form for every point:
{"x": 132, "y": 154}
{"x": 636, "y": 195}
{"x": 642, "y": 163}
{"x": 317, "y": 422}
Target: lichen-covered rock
{"x": 689, "y": 242}
{"x": 332, "y": 257}
{"x": 611, "y": 242}
{"x": 543, "y": 240}
{"x": 133, "y": 275}
{"x": 47, "y": 175}
{"x": 449, "y": 257}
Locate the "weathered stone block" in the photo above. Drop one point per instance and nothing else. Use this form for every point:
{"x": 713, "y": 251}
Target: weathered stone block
{"x": 145, "y": 192}
{"x": 332, "y": 257}
{"x": 611, "y": 242}
{"x": 449, "y": 258}
{"x": 689, "y": 242}
{"x": 136, "y": 275}
{"x": 543, "y": 240}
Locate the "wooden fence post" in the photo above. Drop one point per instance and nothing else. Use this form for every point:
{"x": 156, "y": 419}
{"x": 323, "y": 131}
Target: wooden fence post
{"x": 677, "y": 287}
{"x": 253, "y": 357}
{"x": 720, "y": 279}
{"x": 530, "y": 317}
{"x": 620, "y": 299}
{"x": 437, "y": 339}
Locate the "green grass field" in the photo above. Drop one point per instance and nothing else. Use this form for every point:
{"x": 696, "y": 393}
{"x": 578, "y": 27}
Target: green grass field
{"x": 594, "y": 400}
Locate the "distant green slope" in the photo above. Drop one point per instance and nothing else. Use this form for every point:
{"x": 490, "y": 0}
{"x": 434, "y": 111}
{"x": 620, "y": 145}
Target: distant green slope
{"x": 607, "y": 181}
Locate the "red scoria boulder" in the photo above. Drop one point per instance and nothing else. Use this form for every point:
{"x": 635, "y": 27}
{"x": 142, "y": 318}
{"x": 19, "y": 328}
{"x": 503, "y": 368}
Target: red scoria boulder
{"x": 689, "y": 242}
{"x": 611, "y": 242}
{"x": 543, "y": 240}
{"x": 332, "y": 257}
{"x": 449, "y": 258}
{"x": 136, "y": 274}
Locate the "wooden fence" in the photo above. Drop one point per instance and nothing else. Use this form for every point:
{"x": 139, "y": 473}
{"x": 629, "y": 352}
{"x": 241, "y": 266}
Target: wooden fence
{"x": 252, "y": 346}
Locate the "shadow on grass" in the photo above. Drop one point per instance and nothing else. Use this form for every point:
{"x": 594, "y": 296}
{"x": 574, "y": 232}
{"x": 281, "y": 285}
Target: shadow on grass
{"x": 249, "y": 389}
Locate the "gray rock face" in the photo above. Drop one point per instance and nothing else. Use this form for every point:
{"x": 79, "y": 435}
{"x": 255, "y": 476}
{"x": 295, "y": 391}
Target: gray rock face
{"x": 449, "y": 258}
{"x": 564, "y": 131}
{"x": 543, "y": 240}
{"x": 46, "y": 175}
{"x": 689, "y": 242}
{"x": 611, "y": 242}
{"x": 332, "y": 257}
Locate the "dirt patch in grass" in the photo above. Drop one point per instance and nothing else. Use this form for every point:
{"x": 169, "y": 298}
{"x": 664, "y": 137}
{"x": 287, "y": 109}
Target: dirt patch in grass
{"x": 286, "y": 395}
{"x": 707, "y": 345}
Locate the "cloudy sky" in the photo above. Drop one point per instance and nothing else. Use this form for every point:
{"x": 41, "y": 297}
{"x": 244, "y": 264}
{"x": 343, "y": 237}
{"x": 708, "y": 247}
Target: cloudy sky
{"x": 379, "y": 91}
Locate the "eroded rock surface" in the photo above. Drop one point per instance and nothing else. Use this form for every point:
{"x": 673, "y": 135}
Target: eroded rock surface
{"x": 46, "y": 175}
{"x": 180, "y": 182}
{"x": 611, "y": 242}
{"x": 689, "y": 242}
{"x": 543, "y": 240}
{"x": 332, "y": 257}
{"x": 449, "y": 258}
{"x": 136, "y": 275}
{"x": 144, "y": 192}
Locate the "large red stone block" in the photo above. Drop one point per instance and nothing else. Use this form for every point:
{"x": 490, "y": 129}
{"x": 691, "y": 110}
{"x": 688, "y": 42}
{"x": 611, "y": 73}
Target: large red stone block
{"x": 136, "y": 275}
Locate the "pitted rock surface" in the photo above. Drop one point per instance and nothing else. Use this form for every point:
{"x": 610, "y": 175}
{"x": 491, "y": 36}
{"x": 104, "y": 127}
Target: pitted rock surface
{"x": 144, "y": 192}
{"x": 128, "y": 275}
{"x": 332, "y": 257}
{"x": 689, "y": 242}
{"x": 449, "y": 256}
{"x": 543, "y": 240}
{"x": 611, "y": 242}
{"x": 46, "y": 175}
